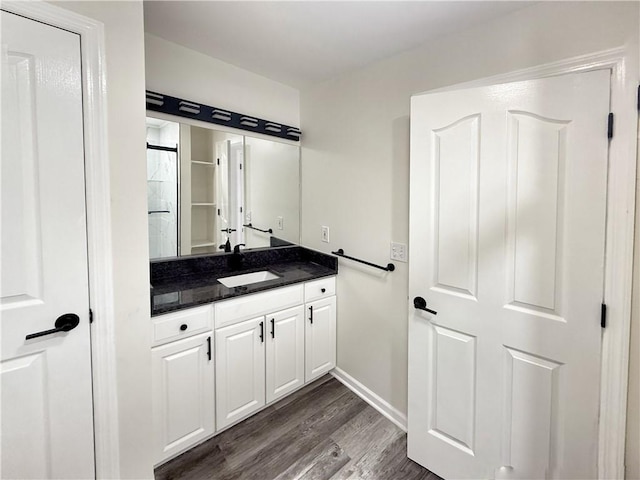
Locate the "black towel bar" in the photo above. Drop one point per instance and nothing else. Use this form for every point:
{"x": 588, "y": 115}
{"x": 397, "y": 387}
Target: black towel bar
{"x": 389, "y": 268}
{"x": 248, "y": 225}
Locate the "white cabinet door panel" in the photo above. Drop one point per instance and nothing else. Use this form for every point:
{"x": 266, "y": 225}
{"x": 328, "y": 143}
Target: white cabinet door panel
{"x": 285, "y": 352}
{"x": 320, "y": 337}
{"x": 183, "y": 396}
{"x": 240, "y": 363}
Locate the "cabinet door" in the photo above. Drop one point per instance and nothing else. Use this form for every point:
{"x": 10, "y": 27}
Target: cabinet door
{"x": 320, "y": 337}
{"x": 182, "y": 376}
{"x": 239, "y": 370}
{"x": 285, "y": 352}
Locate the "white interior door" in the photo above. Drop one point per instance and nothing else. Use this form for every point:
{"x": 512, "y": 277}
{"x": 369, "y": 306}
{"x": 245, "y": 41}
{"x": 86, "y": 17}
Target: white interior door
{"x": 508, "y": 194}
{"x": 47, "y": 423}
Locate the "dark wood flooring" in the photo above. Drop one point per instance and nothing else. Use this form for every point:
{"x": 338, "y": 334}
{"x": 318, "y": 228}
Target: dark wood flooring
{"x": 323, "y": 431}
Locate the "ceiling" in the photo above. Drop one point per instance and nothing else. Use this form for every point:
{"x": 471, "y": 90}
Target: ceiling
{"x": 302, "y": 43}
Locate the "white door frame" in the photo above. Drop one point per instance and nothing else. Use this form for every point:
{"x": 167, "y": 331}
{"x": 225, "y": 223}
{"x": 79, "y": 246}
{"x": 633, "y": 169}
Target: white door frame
{"x": 619, "y": 240}
{"x": 94, "y": 104}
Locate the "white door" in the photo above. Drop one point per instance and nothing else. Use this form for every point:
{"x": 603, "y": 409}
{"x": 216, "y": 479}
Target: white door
{"x": 320, "y": 338}
{"x": 240, "y": 378}
{"x": 508, "y": 193}
{"x": 285, "y": 352}
{"x": 47, "y": 422}
{"x": 183, "y": 394}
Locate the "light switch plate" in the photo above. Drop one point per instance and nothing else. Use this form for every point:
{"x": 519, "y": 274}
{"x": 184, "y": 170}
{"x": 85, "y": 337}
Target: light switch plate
{"x": 279, "y": 223}
{"x": 325, "y": 234}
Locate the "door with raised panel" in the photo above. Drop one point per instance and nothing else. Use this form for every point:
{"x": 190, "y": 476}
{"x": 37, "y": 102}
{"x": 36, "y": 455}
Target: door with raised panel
{"x": 285, "y": 352}
{"x": 507, "y": 226}
{"x": 320, "y": 337}
{"x": 46, "y": 413}
{"x": 183, "y": 394}
{"x": 240, "y": 363}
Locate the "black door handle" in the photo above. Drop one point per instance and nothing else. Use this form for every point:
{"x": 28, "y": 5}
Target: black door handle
{"x": 421, "y": 304}
{"x": 64, "y": 323}
{"x": 262, "y": 332}
{"x": 273, "y": 328}
{"x": 209, "y": 348}
{"x": 311, "y": 314}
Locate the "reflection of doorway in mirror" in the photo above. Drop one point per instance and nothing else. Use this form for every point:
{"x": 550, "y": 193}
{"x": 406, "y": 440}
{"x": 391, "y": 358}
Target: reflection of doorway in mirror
{"x": 162, "y": 187}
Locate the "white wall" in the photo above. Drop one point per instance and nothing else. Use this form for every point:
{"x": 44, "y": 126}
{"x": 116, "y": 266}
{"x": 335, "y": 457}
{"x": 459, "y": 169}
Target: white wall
{"x": 123, "y": 22}
{"x": 180, "y": 72}
{"x": 355, "y": 163}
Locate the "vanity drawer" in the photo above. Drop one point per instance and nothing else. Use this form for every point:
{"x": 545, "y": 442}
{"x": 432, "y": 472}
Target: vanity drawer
{"x": 325, "y": 287}
{"x": 184, "y": 323}
{"x": 235, "y": 310}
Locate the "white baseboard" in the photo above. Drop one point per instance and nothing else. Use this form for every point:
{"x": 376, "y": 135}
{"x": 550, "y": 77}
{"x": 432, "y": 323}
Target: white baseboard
{"x": 373, "y": 399}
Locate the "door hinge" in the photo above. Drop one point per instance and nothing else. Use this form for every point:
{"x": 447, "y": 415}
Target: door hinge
{"x": 240, "y": 166}
{"x": 217, "y": 161}
{"x": 610, "y": 126}
{"x": 90, "y": 316}
{"x": 218, "y": 212}
{"x": 603, "y": 315}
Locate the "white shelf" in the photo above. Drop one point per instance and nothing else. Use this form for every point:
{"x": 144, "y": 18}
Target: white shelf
{"x": 207, "y": 242}
{"x": 203, "y": 204}
{"x": 206, "y": 164}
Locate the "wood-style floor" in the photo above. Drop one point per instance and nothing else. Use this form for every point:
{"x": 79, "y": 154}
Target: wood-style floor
{"x": 324, "y": 431}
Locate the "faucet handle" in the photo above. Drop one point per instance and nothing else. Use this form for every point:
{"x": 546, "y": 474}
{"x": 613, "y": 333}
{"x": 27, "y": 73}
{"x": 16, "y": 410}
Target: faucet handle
{"x": 236, "y": 249}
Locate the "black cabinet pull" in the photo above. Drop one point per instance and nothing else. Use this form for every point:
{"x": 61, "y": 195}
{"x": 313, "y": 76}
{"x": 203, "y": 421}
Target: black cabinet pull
{"x": 209, "y": 348}
{"x": 183, "y": 327}
{"x": 262, "y": 332}
{"x": 311, "y": 314}
{"x": 323, "y": 290}
{"x": 273, "y": 328}
{"x": 421, "y": 304}
{"x": 64, "y": 323}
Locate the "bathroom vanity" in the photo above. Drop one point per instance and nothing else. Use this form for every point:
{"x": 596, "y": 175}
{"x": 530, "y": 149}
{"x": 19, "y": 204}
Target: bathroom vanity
{"x": 234, "y": 333}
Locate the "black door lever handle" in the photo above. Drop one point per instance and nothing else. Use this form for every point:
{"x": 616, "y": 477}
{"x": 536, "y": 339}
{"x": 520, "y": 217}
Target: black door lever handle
{"x": 421, "y": 304}
{"x": 64, "y": 323}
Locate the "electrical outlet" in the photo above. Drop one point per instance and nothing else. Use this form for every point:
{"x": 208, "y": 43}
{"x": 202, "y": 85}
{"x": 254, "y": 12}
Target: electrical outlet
{"x": 325, "y": 234}
{"x": 398, "y": 252}
{"x": 279, "y": 223}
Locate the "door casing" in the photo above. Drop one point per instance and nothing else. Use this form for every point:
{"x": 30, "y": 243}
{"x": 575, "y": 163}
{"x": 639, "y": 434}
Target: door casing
{"x": 619, "y": 235}
{"x": 105, "y": 400}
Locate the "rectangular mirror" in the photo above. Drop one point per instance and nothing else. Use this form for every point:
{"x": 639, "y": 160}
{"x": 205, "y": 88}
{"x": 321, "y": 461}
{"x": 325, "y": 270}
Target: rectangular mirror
{"x": 209, "y": 189}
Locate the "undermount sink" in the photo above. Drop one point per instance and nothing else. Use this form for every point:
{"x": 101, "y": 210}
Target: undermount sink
{"x": 247, "y": 279}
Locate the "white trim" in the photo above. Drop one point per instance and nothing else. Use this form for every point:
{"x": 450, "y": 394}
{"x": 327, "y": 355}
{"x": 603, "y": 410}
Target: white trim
{"x": 105, "y": 398}
{"x": 620, "y": 230}
{"x": 373, "y": 399}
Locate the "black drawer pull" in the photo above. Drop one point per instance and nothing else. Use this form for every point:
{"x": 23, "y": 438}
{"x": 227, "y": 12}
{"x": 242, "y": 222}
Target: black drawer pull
{"x": 273, "y": 328}
{"x": 323, "y": 290}
{"x": 183, "y": 327}
{"x": 311, "y": 314}
{"x": 209, "y": 348}
{"x": 262, "y": 332}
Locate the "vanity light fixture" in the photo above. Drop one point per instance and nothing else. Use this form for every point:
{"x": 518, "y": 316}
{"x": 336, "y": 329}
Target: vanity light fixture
{"x": 189, "y": 107}
{"x": 273, "y": 127}
{"x": 221, "y": 115}
{"x": 249, "y": 121}
{"x": 294, "y": 132}
{"x": 155, "y": 98}
{"x": 159, "y": 102}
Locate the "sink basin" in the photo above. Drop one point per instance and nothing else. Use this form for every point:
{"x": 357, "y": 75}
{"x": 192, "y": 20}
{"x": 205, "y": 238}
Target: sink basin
{"x": 247, "y": 278}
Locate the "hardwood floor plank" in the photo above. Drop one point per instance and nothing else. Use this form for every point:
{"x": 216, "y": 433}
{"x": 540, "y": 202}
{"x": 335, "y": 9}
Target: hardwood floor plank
{"x": 278, "y": 423}
{"x": 278, "y": 455}
{"x": 319, "y": 463}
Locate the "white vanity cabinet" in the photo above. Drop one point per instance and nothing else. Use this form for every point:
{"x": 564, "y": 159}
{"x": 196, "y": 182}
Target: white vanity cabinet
{"x": 182, "y": 380}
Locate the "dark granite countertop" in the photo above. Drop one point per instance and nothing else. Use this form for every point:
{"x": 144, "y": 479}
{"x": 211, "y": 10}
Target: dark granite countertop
{"x": 190, "y": 281}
